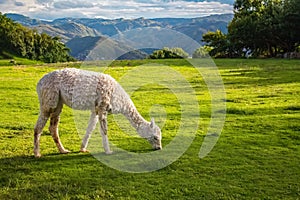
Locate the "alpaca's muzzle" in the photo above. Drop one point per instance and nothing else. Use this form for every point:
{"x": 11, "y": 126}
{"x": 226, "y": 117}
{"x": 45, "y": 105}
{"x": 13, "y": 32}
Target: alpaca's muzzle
{"x": 158, "y": 148}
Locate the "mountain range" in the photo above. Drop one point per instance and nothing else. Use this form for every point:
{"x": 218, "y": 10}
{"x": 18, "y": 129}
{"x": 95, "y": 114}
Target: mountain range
{"x": 81, "y": 35}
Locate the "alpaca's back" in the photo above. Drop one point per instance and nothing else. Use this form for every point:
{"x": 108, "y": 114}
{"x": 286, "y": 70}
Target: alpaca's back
{"x": 78, "y": 89}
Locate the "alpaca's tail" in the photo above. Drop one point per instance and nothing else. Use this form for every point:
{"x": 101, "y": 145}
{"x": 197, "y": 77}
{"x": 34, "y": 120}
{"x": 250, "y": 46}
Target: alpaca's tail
{"x": 48, "y": 94}
{"x": 39, "y": 91}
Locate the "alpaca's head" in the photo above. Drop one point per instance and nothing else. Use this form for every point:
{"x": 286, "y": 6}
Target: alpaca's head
{"x": 152, "y": 133}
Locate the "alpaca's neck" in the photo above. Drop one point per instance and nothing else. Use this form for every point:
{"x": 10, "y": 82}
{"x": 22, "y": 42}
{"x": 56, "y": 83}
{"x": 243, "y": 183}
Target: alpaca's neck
{"x": 121, "y": 103}
{"x": 134, "y": 117}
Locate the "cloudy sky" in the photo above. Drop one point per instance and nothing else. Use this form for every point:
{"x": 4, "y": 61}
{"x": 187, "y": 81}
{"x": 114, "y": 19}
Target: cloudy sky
{"x": 111, "y": 9}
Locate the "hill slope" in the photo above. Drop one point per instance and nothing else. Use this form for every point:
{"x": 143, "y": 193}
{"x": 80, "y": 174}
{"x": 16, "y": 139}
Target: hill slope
{"x": 72, "y": 30}
{"x": 102, "y": 48}
{"x": 68, "y": 28}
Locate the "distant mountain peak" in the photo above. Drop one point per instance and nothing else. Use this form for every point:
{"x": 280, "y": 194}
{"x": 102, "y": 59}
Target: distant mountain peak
{"x": 82, "y": 34}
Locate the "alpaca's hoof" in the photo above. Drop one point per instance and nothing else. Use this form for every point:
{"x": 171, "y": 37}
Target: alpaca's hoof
{"x": 65, "y": 151}
{"x": 37, "y": 155}
{"x": 109, "y": 152}
{"x": 84, "y": 151}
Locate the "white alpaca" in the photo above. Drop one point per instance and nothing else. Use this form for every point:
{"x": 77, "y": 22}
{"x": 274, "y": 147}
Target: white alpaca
{"x": 85, "y": 90}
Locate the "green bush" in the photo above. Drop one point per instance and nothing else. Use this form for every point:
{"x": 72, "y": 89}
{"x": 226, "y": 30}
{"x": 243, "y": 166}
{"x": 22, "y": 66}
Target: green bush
{"x": 169, "y": 53}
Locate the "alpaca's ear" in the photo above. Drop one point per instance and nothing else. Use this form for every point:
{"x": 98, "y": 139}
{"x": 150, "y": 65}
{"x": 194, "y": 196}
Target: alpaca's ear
{"x": 152, "y": 123}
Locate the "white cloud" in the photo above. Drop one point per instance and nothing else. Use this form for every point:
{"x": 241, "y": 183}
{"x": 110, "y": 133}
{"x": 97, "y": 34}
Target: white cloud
{"x": 51, "y": 9}
{"x": 72, "y": 4}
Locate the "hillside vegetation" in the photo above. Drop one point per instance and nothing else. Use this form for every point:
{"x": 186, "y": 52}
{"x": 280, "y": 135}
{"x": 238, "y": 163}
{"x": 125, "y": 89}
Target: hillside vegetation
{"x": 17, "y": 40}
{"x": 256, "y": 157}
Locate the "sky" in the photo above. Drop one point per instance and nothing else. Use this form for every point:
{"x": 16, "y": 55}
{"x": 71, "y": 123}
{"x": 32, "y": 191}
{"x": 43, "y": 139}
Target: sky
{"x": 112, "y": 9}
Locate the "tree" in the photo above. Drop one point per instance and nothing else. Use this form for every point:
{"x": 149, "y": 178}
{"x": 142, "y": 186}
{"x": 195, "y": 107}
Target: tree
{"x": 169, "y": 53}
{"x": 202, "y": 52}
{"x": 266, "y": 27}
{"x": 219, "y": 43}
{"x": 243, "y": 29}
{"x": 21, "y": 41}
{"x": 290, "y": 25}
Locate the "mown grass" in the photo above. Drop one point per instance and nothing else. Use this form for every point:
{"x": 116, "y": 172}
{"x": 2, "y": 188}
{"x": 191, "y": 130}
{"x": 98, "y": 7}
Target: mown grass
{"x": 18, "y": 61}
{"x": 256, "y": 157}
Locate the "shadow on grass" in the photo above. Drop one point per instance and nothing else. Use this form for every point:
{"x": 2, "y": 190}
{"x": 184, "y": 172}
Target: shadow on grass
{"x": 53, "y": 176}
{"x": 269, "y": 72}
{"x": 18, "y": 166}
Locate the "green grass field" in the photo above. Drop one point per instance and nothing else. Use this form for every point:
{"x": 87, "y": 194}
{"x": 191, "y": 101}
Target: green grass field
{"x": 256, "y": 157}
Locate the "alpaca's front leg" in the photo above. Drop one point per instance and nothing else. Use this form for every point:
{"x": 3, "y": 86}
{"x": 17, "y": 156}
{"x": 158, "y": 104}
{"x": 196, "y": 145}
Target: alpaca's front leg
{"x": 103, "y": 131}
{"x": 92, "y": 124}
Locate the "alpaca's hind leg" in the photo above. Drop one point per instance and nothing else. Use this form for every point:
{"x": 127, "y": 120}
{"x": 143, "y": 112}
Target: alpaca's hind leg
{"x": 54, "y": 120}
{"x": 53, "y": 128}
{"x": 40, "y": 124}
{"x": 103, "y": 131}
{"x": 92, "y": 124}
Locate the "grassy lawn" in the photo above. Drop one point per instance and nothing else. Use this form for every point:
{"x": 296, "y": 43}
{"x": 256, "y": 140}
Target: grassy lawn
{"x": 256, "y": 157}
